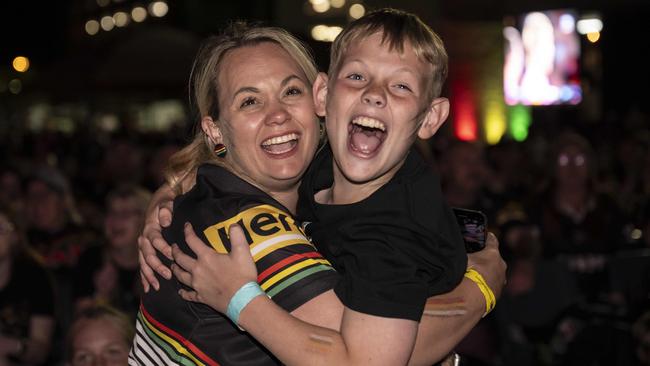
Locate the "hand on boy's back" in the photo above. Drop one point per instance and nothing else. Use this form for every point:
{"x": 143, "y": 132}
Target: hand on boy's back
{"x": 489, "y": 264}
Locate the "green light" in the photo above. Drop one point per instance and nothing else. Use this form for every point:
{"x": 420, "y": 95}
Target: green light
{"x": 520, "y": 120}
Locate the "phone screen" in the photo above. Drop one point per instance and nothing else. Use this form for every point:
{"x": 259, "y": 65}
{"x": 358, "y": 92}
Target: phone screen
{"x": 473, "y": 227}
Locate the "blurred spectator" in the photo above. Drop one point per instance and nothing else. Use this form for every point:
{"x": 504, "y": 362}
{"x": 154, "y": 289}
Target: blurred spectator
{"x": 99, "y": 335}
{"x": 109, "y": 273}
{"x": 123, "y": 163}
{"x": 11, "y": 191}
{"x": 578, "y": 226}
{"x": 26, "y": 300}
{"x": 158, "y": 163}
{"x": 54, "y": 226}
{"x": 641, "y": 333}
{"x": 464, "y": 170}
{"x": 57, "y": 235}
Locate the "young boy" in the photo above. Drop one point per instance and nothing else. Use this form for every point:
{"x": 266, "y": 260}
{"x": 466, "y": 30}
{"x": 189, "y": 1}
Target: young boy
{"x": 375, "y": 208}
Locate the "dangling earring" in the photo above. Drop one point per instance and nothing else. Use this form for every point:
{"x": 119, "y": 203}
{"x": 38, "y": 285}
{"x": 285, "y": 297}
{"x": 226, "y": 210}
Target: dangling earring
{"x": 220, "y": 150}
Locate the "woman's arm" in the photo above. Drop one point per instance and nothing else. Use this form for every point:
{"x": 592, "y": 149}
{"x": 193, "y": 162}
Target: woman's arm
{"x": 363, "y": 340}
{"x": 359, "y": 340}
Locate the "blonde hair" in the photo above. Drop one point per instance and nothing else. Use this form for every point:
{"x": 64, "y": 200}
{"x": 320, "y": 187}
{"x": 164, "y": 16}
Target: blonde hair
{"x": 205, "y": 88}
{"x": 119, "y": 319}
{"x": 397, "y": 27}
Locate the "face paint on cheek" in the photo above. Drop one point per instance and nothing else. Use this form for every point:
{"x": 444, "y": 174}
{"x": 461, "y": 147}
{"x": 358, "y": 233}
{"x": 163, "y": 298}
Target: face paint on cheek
{"x": 454, "y": 306}
{"x": 319, "y": 343}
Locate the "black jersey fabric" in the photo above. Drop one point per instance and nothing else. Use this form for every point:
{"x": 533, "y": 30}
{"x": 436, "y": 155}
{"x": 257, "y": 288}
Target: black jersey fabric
{"x": 395, "y": 248}
{"x": 171, "y": 331}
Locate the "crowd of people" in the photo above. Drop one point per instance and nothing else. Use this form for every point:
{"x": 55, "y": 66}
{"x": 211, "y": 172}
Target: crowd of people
{"x": 571, "y": 209}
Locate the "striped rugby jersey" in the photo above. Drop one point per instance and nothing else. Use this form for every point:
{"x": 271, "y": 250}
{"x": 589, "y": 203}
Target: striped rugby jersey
{"x": 171, "y": 331}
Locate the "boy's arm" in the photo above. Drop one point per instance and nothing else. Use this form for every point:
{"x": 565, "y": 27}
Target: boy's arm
{"x": 157, "y": 215}
{"x": 363, "y": 339}
{"x": 439, "y": 334}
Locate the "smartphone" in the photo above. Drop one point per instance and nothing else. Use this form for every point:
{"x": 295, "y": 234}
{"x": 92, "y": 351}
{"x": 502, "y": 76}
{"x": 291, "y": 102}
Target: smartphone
{"x": 473, "y": 227}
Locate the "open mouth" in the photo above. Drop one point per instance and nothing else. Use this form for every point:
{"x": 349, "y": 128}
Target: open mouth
{"x": 280, "y": 144}
{"x": 366, "y": 134}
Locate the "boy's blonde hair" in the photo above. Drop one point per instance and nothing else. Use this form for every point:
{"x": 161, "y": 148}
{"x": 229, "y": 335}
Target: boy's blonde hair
{"x": 205, "y": 88}
{"x": 397, "y": 27}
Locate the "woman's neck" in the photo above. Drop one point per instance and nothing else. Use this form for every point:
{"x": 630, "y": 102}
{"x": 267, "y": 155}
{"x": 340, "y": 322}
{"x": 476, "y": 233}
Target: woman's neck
{"x": 288, "y": 198}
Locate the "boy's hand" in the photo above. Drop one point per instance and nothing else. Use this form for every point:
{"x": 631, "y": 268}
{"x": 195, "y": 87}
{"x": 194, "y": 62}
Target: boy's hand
{"x": 157, "y": 216}
{"x": 214, "y": 277}
{"x": 490, "y": 265}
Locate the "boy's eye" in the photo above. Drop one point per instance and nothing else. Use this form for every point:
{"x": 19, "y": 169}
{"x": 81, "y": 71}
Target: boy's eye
{"x": 403, "y": 87}
{"x": 355, "y": 77}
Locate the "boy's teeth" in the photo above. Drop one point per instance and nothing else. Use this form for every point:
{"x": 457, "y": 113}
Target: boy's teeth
{"x": 280, "y": 139}
{"x": 369, "y": 122}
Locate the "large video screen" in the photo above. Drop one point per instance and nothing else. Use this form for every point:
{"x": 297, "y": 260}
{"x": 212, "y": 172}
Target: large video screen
{"x": 542, "y": 59}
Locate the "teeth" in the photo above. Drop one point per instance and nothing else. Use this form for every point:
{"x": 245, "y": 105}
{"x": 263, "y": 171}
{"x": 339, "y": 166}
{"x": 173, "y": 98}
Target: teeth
{"x": 280, "y": 139}
{"x": 369, "y": 122}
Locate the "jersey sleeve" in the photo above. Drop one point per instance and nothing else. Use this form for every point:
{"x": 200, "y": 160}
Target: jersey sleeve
{"x": 290, "y": 269}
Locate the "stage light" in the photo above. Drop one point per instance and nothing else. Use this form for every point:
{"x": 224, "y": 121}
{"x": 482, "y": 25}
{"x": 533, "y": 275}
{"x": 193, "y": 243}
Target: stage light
{"x": 158, "y": 9}
{"x": 15, "y": 86}
{"x": 589, "y": 25}
{"x": 139, "y": 14}
{"x": 107, "y": 23}
{"x": 121, "y": 19}
{"x": 92, "y": 27}
{"x": 20, "y": 63}
{"x": 357, "y": 11}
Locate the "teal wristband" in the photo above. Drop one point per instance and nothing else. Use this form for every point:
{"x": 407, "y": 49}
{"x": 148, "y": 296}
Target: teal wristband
{"x": 241, "y": 298}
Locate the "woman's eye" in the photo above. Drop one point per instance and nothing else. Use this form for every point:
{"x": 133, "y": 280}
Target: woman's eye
{"x": 293, "y": 91}
{"x": 248, "y": 102}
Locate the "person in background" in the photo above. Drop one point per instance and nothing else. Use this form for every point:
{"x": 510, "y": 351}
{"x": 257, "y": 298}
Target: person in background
{"x": 26, "y": 300}
{"x": 109, "y": 272}
{"x": 99, "y": 335}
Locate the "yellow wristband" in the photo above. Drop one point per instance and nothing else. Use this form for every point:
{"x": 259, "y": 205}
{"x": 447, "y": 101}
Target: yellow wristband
{"x": 490, "y": 300}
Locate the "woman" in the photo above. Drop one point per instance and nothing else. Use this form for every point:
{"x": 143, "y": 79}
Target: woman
{"x": 272, "y": 162}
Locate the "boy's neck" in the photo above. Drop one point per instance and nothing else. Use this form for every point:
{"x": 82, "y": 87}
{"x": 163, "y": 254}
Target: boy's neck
{"x": 343, "y": 191}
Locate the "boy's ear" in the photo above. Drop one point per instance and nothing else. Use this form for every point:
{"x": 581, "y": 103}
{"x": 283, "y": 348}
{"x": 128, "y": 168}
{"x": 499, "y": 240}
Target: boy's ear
{"x": 319, "y": 91}
{"x": 211, "y": 130}
{"x": 436, "y": 115}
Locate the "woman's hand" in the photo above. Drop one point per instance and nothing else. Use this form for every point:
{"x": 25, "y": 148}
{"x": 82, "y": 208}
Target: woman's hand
{"x": 157, "y": 216}
{"x": 213, "y": 277}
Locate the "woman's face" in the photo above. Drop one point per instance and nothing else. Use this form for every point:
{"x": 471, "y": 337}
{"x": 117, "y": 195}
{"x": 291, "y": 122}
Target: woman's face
{"x": 267, "y": 116}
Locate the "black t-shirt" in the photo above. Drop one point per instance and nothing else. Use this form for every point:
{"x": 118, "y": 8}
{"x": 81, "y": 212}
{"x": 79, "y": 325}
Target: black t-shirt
{"x": 29, "y": 292}
{"x": 395, "y": 248}
{"x": 126, "y": 296}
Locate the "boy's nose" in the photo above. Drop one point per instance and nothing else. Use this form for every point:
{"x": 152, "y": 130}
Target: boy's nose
{"x": 374, "y": 96}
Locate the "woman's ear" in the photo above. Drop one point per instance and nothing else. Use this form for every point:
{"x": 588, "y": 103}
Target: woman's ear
{"x": 319, "y": 91}
{"x": 436, "y": 115}
{"x": 211, "y": 130}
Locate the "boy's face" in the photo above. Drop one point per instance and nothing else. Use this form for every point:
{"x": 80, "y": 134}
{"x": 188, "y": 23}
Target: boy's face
{"x": 372, "y": 107}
